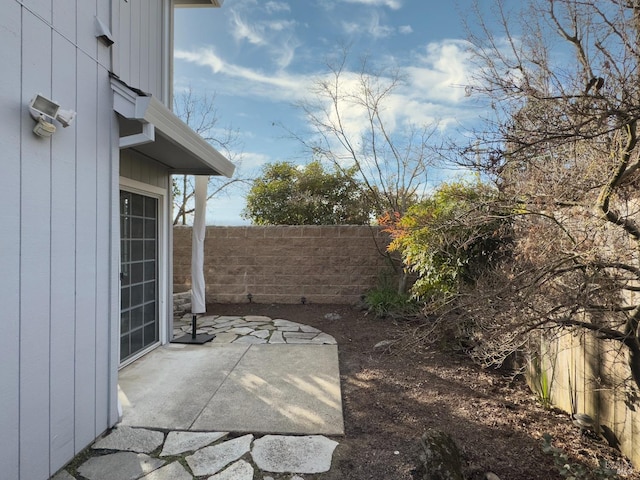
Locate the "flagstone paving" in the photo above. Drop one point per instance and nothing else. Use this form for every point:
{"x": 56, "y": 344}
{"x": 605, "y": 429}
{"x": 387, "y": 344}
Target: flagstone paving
{"x": 253, "y": 329}
{"x": 209, "y": 455}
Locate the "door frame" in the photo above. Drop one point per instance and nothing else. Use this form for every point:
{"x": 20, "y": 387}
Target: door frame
{"x": 134, "y": 186}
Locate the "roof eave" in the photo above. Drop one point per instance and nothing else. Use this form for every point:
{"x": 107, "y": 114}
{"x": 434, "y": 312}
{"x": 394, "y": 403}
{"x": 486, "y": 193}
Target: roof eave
{"x": 172, "y": 142}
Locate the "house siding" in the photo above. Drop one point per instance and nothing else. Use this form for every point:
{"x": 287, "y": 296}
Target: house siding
{"x": 142, "y": 169}
{"x": 139, "y": 52}
{"x": 59, "y": 234}
{"x": 58, "y": 250}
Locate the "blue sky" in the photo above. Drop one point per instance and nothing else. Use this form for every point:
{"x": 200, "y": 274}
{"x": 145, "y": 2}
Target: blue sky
{"x": 260, "y": 57}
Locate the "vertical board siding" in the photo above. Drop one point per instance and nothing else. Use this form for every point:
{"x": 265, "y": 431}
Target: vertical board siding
{"x": 86, "y": 218}
{"x": 142, "y": 169}
{"x": 135, "y": 45}
{"x": 103, "y": 12}
{"x": 10, "y": 238}
{"x": 65, "y": 18}
{"x": 103, "y": 245}
{"x": 41, "y": 8}
{"x": 63, "y": 265}
{"x": 145, "y": 42}
{"x": 139, "y": 44}
{"x": 123, "y": 41}
{"x": 156, "y": 48}
{"x": 35, "y": 239}
{"x": 86, "y": 29}
{"x": 59, "y": 237}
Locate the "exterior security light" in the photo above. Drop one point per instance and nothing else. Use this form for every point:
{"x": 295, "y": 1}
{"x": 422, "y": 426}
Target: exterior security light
{"x": 40, "y": 105}
{"x": 44, "y": 111}
{"x": 66, "y": 117}
{"x": 43, "y": 128}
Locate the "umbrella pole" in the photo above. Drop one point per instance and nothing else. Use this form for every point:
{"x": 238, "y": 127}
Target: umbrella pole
{"x": 193, "y": 337}
{"x": 193, "y": 326}
{"x": 198, "y": 296}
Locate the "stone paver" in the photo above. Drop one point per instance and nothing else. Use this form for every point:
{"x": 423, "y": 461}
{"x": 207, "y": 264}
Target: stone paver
{"x": 282, "y": 454}
{"x": 211, "y": 460}
{"x": 222, "y": 461}
{"x": 307, "y": 328}
{"x": 251, "y": 340}
{"x": 254, "y": 329}
{"x": 324, "y": 339}
{"x": 276, "y": 337}
{"x": 119, "y": 466}
{"x": 173, "y": 471}
{"x": 240, "y": 470}
{"x": 241, "y": 330}
{"x": 125, "y": 438}
{"x": 181, "y": 442}
{"x": 261, "y": 333}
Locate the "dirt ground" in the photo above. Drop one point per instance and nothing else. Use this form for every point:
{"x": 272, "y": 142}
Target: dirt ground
{"x": 391, "y": 396}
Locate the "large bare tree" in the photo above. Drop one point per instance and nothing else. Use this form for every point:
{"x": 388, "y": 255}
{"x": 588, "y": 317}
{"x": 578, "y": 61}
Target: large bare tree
{"x": 562, "y": 78}
{"x": 354, "y": 125}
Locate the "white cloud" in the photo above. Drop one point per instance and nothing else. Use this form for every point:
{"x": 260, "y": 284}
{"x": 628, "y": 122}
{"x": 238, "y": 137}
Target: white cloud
{"x": 280, "y": 25}
{"x": 405, "y": 29}
{"x": 275, "y": 35}
{"x": 246, "y": 81}
{"x": 442, "y": 71}
{"x": 252, "y": 161}
{"x": 276, "y": 7}
{"x": 376, "y": 30}
{"x": 243, "y": 31}
{"x": 433, "y": 88}
{"x": 369, "y": 26}
{"x": 392, "y": 4}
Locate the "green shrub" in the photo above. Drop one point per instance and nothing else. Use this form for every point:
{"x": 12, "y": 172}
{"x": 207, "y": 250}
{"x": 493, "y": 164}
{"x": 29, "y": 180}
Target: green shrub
{"x": 386, "y": 301}
{"x": 449, "y": 238}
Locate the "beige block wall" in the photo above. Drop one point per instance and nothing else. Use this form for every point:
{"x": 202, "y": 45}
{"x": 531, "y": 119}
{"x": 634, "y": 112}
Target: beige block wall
{"x": 282, "y": 264}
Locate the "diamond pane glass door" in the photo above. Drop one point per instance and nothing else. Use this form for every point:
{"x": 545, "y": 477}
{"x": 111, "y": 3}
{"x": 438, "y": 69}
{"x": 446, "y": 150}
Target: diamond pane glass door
{"x": 139, "y": 325}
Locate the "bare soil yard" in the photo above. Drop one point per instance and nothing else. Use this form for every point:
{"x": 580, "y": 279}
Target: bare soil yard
{"x": 391, "y": 396}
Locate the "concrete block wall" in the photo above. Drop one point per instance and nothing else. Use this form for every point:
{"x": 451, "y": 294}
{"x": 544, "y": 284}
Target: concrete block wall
{"x": 282, "y": 264}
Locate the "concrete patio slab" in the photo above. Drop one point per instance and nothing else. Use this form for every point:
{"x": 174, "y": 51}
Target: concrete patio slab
{"x": 169, "y": 387}
{"x": 291, "y": 389}
{"x": 279, "y": 389}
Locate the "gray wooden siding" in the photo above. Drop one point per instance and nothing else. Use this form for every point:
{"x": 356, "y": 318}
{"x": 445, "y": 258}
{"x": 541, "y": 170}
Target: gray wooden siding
{"x": 58, "y": 287}
{"x": 10, "y": 239}
{"x": 138, "y": 27}
{"x": 138, "y": 167}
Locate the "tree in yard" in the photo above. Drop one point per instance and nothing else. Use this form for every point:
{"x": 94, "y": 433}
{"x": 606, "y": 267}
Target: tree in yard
{"x": 356, "y": 126}
{"x": 353, "y": 126}
{"x": 286, "y": 194}
{"x": 199, "y": 112}
{"x": 562, "y": 147}
{"x": 450, "y": 239}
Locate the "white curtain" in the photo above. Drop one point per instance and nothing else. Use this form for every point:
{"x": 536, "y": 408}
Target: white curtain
{"x": 198, "y": 304}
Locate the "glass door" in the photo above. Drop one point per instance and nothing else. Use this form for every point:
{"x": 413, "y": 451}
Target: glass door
{"x": 139, "y": 322}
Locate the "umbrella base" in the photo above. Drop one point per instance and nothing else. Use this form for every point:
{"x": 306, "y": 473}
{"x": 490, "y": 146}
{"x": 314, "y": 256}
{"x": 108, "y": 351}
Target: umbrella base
{"x": 199, "y": 339}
